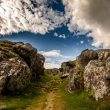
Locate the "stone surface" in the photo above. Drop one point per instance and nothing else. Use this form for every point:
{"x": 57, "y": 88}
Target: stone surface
{"x": 91, "y": 71}
{"x": 75, "y": 74}
{"x": 97, "y": 78}
{"x": 19, "y": 64}
{"x": 15, "y": 75}
{"x": 86, "y": 56}
{"x": 34, "y": 60}
{"x": 54, "y": 71}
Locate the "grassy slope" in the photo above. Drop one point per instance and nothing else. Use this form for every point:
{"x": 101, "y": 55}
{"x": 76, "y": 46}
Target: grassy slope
{"x": 35, "y": 96}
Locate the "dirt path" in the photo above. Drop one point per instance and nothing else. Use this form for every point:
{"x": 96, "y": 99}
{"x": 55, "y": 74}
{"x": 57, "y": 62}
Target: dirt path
{"x": 52, "y": 102}
{"x": 49, "y": 104}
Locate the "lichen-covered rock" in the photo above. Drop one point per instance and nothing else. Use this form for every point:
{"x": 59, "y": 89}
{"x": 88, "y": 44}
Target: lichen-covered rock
{"x": 67, "y": 67}
{"x": 84, "y": 58}
{"x": 91, "y": 71}
{"x": 103, "y": 54}
{"x": 76, "y": 79}
{"x": 15, "y": 75}
{"x": 97, "y": 78}
{"x": 19, "y": 63}
{"x": 34, "y": 60}
{"x": 54, "y": 71}
{"x": 75, "y": 74}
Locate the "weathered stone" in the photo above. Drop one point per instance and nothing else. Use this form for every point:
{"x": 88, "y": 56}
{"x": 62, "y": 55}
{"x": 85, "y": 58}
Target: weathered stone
{"x": 76, "y": 80}
{"x": 103, "y": 54}
{"x": 84, "y": 58}
{"x": 54, "y": 71}
{"x": 96, "y": 78}
{"x": 92, "y": 72}
{"x": 34, "y": 60}
{"x": 15, "y": 75}
{"x": 19, "y": 63}
{"x": 64, "y": 76}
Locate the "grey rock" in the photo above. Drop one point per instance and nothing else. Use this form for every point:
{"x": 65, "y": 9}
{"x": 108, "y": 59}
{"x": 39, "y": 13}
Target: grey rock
{"x": 34, "y": 60}
{"x": 15, "y": 75}
{"x": 86, "y": 56}
{"x": 96, "y": 78}
{"x": 54, "y": 71}
{"x": 19, "y": 64}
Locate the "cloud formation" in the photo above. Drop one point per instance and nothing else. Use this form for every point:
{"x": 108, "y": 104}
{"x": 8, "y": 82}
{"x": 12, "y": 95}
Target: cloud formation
{"x": 54, "y": 58}
{"x": 37, "y": 17}
{"x": 62, "y": 36}
{"x": 91, "y": 15}
{"x": 28, "y": 15}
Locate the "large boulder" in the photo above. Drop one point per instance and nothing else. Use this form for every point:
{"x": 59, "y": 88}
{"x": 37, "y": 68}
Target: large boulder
{"x": 84, "y": 58}
{"x": 76, "y": 79}
{"x": 97, "y": 78}
{"x": 75, "y": 74}
{"x": 54, "y": 71}
{"x": 19, "y": 64}
{"x": 34, "y": 60}
{"x": 90, "y": 71}
{"x": 67, "y": 67}
{"x": 103, "y": 54}
{"x": 15, "y": 75}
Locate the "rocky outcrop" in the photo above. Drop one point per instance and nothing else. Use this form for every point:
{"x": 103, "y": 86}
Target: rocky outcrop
{"x": 15, "y": 75}
{"x": 97, "y": 78}
{"x": 19, "y": 64}
{"x": 86, "y": 56}
{"x": 54, "y": 71}
{"x": 75, "y": 74}
{"x": 97, "y": 75}
{"x": 34, "y": 60}
{"x": 91, "y": 72}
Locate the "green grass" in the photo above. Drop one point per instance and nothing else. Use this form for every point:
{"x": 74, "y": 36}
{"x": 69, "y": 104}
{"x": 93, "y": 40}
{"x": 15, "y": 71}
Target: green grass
{"x": 22, "y": 101}
{"x": 38, "y": 90}
{"x": 81, "y": 100}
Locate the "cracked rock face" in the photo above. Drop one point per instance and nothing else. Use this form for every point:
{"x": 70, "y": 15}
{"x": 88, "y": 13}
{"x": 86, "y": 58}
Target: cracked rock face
{"x": 97, "y": 78}
{"x": 34, "y": 60}
{"x": 91, "y": 72}
{"x": 19, "y": 64}
{"x": 15, "y": 75}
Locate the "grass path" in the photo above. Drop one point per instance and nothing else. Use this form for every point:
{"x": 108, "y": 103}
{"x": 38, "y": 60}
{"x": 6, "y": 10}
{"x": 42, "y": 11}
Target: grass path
{"x": 50, "y": 93}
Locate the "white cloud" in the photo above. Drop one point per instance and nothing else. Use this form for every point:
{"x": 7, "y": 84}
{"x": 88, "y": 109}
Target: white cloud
{"x": 62, "y": 36}
{"x": 35, "y": 16}
{"x": 56, "y": 34}
{"x": 51, "y": 65}
{"x": 28, "y": 15}
{"x": 54, "y": 58}
{"x": 90, "y": 15}
{"x": 52, "y": 53}
{"x": 82, "y": 42}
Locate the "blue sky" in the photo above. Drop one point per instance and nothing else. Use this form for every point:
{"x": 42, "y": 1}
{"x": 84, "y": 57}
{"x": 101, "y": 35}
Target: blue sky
{"x": 69, "y": 46}
{"x": 51, "y": 30}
